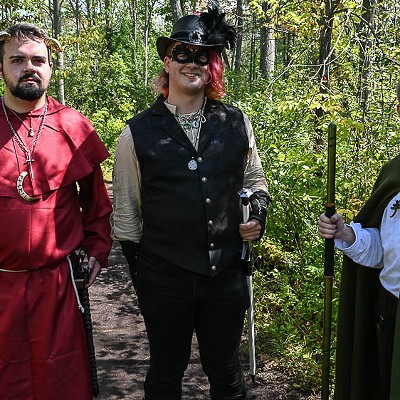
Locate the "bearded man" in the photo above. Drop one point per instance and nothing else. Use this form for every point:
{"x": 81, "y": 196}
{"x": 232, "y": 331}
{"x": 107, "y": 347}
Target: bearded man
{"x": 53, "y": 201}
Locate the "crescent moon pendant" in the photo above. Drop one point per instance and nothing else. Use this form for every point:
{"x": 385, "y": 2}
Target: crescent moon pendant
{"x": 20, "y": 187}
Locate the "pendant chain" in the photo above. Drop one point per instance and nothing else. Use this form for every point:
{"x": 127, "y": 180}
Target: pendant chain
{"x": 191, "y": 124}
{"x": 31, "y": 132}
{"x": 28, "y": 152}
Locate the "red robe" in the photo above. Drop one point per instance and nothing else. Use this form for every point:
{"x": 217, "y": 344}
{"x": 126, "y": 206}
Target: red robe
{"x": 43, "y": 352}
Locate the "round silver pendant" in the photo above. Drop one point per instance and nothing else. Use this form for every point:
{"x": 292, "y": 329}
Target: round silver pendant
{"x": 192, "y": 165}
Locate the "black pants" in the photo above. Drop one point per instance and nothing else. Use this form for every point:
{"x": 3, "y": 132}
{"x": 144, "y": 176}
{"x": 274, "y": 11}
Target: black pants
{"x": 387, "y": 308}
{"x": 175, "y": 303}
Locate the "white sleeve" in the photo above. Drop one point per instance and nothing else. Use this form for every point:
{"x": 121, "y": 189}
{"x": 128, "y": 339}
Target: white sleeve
{"x": 367, "y": 249}
{"x": 254, "y": 177}
{"x": 126, "y": 219}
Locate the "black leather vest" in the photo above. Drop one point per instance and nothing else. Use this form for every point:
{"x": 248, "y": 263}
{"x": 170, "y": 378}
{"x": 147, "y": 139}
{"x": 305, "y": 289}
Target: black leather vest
{"x": 191, "y": 216}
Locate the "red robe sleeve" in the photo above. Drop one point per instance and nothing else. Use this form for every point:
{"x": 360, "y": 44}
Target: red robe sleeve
{"x": 96, "y": 209}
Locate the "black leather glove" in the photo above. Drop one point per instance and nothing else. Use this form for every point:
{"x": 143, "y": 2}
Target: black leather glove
{"x": 259, "y": 203}
{"x": 131, "y": 252}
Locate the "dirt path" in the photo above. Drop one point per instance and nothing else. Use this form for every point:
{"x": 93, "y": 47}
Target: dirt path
{"x": 122, "y": 352}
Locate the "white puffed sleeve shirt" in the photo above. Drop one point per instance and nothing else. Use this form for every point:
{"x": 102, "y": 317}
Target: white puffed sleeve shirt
{"x": 379, "y": 248}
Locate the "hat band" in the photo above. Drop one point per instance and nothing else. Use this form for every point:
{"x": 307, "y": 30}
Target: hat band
{"x": 194, "y": 37}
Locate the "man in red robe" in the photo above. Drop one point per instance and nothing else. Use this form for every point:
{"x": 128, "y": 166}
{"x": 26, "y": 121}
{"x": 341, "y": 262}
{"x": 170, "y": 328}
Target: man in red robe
{"x": 52, "y": 201}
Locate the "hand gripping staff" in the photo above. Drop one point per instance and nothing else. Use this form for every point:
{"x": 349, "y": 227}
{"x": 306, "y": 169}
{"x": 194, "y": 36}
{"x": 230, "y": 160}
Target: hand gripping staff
{"x": 245, "y": 197}
{"x": 328, "y": 264}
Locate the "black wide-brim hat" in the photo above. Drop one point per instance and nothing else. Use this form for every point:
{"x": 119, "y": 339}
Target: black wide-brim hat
{"x": 207, "y": 29}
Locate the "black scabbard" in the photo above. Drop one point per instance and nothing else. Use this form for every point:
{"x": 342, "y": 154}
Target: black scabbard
{"x": 81, "y": 276}
{"x": 87, "y": 322}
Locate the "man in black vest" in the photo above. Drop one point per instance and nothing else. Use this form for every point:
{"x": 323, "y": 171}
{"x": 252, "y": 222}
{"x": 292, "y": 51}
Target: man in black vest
{"x": 179, "y": 167}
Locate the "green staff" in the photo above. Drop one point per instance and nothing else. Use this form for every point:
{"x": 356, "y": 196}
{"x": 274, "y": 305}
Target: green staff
{"x": 328, "y": 264}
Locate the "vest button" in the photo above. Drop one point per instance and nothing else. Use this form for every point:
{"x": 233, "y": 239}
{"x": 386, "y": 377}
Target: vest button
{"x": 213, "y": 268}
{"x": 212, "y": 246}
{"x": 204, "y": 179}
{"x": 208, "y": 200}
{"x": 210, "y": 222}
{"x": 199, "y": 159}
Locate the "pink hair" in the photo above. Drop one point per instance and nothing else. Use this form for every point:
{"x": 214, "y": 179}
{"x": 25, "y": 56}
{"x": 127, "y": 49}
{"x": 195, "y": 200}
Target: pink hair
{"x": 215, "y": 88}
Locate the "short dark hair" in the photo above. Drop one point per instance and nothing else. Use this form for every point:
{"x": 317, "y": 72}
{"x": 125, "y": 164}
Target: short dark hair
{"x": 24, "y": 31}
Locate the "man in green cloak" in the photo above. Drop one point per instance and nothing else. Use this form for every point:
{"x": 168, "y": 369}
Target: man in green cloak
{"x": 368, "y": 335}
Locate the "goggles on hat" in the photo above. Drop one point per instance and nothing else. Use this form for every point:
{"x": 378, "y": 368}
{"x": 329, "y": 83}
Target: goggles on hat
{"x": 182, "y": 54}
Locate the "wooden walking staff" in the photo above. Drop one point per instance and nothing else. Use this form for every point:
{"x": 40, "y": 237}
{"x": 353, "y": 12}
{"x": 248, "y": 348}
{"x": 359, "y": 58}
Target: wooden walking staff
{"x": 328, "y": 264}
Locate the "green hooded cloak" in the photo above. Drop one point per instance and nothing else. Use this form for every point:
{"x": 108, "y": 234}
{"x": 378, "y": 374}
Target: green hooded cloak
{"x": 356, "y": 366}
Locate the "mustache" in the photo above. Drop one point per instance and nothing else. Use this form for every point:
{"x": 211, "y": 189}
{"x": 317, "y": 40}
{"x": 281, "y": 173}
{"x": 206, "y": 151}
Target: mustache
{"x": 32, "y": 76}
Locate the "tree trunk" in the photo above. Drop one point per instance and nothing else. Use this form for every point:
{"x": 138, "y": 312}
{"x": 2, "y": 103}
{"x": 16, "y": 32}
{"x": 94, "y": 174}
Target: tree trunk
{"x": 365, "y": 27}
{"x": 59, "y": 62}
{"x": 287, "y": 39}
{"x": 325, "y": 41}
{"x": 252, "y": 69}
{"x": 239, "y": 30}
{"x": 134, "y": 19}
{"x": 267, "y": 45}
{"x": 76, "y": 12}
{"x": 146, "y": 42}
{"x": 324, "y": 59}
{"x": 107, "y": 5}
{"x": 176, "y": 10}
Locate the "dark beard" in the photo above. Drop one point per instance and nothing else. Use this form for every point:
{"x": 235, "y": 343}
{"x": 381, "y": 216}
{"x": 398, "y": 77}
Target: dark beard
{"x": 27, "y": 92}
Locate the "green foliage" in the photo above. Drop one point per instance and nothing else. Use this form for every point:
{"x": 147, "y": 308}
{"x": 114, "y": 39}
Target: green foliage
{"x": 108, "y": 90}
{"x": 288, "y": 292}
{"x": 288, "y": 283}
{"x": 108, "y": 127}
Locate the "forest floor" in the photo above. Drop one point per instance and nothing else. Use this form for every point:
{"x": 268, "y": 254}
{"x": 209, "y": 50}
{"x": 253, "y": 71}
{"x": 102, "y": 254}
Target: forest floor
{"x": 123, "y": 355}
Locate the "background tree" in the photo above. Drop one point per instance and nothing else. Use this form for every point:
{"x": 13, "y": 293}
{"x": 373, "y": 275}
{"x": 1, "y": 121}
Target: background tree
{"x": 237, "y": 54}
{"x": 267, "y": 43}
{"x": 176, "y": 10}
{"x": 55, "y": 14}
{"x": 366, "y": 31}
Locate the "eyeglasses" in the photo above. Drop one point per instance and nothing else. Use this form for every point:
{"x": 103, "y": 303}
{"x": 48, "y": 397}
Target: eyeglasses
{"x": 183, "y": 55}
